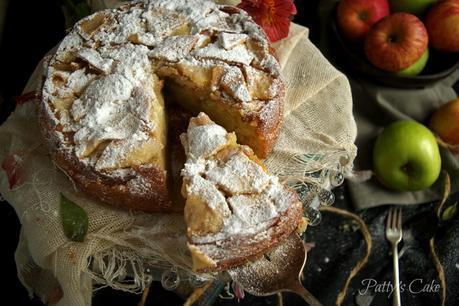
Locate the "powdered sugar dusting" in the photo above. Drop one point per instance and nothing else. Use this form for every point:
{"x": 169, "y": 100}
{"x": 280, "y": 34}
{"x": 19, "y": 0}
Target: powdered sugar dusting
{"x": 174, "y": 48}
{"x": 115, "y": 107}
{"x": 139, "y": 185}
{"x": 239, "y": 54}
{"x": 94, "y": 59}
{"x": 239, "y": 175}
{"x": 75, "y": 83}
{"x": 252, "y": 208}
{"x": 103, "y": 113}
{"x": 205, "y": 140}
{"x": 163, "y": 23}
{"x": 230, "y": 40}
{"x": 200, "y": 187}
{"x": 233, "y": 83}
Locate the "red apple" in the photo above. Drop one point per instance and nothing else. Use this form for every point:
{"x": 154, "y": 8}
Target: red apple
{"x": 445, "y": 122}
{"x": 442, "y": 23}
{"x": 396, "y": 42}
{"x": 354, "y": 17}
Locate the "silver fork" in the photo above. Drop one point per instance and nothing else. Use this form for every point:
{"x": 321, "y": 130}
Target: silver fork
{"x": 394, "y": 235}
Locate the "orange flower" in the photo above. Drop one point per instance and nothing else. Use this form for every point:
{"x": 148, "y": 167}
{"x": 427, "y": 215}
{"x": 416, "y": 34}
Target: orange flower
{"x": 272, "y": 15}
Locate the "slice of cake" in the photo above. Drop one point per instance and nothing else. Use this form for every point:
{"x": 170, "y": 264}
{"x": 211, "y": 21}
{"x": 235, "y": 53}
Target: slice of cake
{"x": 234, "y": 208}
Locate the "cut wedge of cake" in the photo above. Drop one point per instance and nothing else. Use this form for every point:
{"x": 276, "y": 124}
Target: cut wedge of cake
{"x": 234, "y": 208}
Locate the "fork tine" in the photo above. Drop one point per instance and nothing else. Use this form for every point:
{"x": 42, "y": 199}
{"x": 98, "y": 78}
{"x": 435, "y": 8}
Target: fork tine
{"x": 399, "y": 223}
{"x": 389, "y": 218}
{"x": 394, "y": 218}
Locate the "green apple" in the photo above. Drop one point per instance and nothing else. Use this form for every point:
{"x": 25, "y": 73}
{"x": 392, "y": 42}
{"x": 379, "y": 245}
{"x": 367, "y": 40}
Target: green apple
{"x": 417, "y": 67}
{"x": 406, "y": 156}
{"x": 415, "y": 7}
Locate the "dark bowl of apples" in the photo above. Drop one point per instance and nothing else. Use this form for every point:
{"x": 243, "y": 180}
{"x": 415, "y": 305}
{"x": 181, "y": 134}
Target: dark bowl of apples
{"x": 350, "y": 57}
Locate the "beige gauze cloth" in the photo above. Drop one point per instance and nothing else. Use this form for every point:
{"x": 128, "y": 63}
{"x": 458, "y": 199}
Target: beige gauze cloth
{"x": 317, "y": 120}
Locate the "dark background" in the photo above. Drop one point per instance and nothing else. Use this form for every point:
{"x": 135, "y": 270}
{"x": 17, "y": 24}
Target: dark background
{"x": 31, "y": 29}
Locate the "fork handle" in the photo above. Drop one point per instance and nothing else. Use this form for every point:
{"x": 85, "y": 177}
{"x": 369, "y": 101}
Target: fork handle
{"x": 396, "y": 295}
{"x": 307, "y": 296}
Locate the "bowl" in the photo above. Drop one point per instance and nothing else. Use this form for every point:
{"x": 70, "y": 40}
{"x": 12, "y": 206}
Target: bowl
{"x": 350, "y": 58}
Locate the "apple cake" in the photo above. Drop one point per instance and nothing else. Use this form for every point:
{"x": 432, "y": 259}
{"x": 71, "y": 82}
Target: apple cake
{"x": 107, "y": 90}
{"x": 234, "y": 208}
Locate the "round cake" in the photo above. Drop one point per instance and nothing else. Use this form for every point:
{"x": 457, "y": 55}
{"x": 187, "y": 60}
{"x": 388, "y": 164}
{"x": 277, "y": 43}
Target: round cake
{"x": 109, "y": 86}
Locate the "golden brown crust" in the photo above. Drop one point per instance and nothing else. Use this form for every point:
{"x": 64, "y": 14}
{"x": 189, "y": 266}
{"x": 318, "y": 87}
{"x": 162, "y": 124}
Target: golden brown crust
{"x": 115, "y": 191}
{"x": 240, "y": 250}
{"x": 268, "y": 130}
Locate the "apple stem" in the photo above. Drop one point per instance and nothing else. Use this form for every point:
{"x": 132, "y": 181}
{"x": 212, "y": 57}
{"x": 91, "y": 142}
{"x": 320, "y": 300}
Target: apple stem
{"x": 451, "y": 147}
{"x": 408, "y": 168}
{"x": 363, "y": 15}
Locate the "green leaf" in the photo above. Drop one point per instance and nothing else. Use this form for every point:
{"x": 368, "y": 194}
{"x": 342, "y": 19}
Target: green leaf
{"x": 74, "y": 220}
{"x": 82, "y": 10}
{"x": 75, "y": 10}
{"x": 450, "y": 212}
